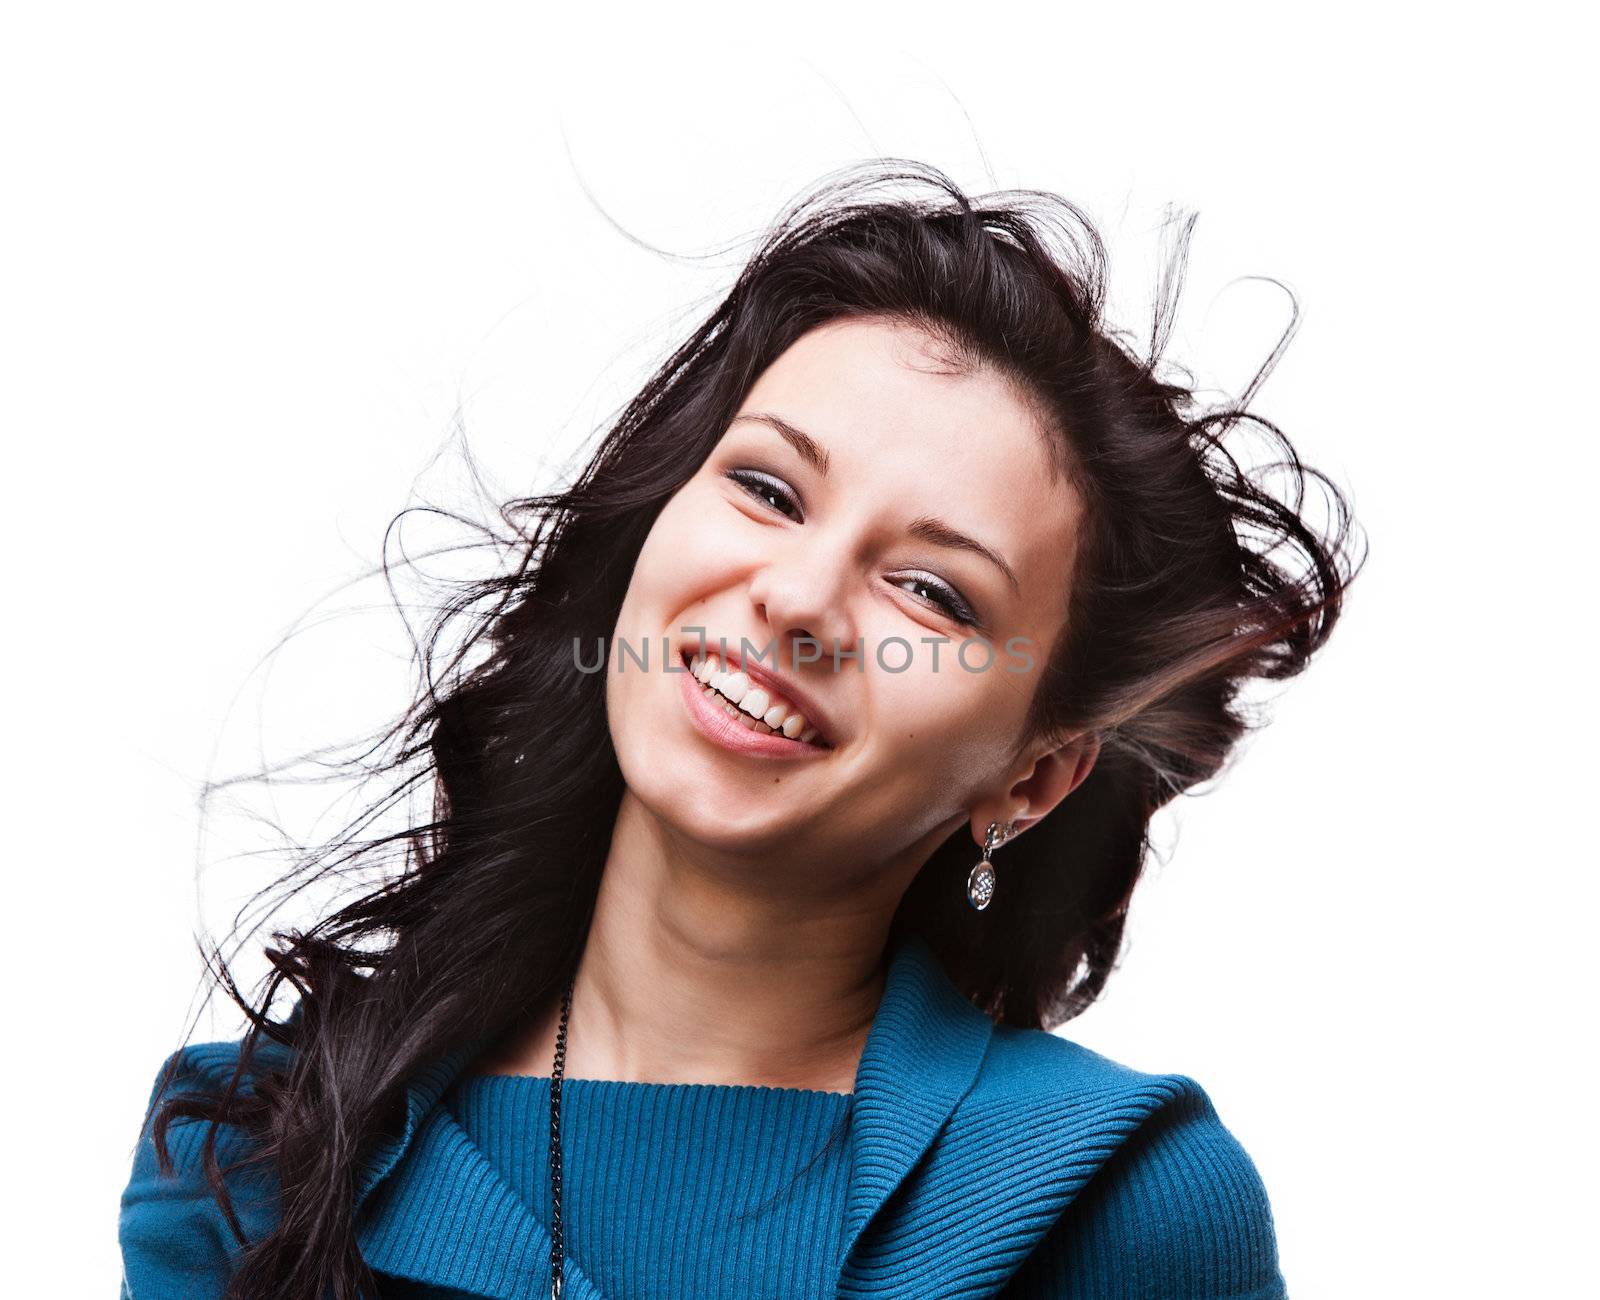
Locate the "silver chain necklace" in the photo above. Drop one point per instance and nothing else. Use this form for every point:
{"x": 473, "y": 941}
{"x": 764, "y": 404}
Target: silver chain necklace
{"x": 557, "y": 1254}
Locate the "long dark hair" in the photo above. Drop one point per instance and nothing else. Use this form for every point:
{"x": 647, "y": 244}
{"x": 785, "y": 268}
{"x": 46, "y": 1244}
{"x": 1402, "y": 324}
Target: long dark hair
{"x": 1193, "y": 579}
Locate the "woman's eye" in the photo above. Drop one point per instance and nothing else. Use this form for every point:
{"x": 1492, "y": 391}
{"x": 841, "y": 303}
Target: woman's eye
{"x": 766, "y": 489}
{"x": 941, "y": 594}
{"x": 934, "y": 591}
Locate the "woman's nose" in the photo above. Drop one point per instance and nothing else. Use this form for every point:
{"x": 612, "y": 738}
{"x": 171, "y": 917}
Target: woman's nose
{"x": 804, "y": 599}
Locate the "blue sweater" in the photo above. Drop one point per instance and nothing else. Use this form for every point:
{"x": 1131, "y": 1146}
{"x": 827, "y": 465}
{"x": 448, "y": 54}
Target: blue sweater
{"x": 970, "y": 1160}
{"x": 678, "y": 1189}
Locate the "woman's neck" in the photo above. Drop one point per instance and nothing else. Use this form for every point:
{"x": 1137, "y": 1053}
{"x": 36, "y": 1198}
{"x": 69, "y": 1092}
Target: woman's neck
{"x": 695, "y": 974}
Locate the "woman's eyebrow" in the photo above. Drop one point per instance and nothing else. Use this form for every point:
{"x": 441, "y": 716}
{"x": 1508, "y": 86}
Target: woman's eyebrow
{"x": 811, "y": 451}
{"x": 930, "y": 528}
{"x": 927, "y": 528}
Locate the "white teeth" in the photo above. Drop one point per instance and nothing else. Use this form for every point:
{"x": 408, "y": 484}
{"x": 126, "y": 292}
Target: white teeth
{"x": 751, "y": 703}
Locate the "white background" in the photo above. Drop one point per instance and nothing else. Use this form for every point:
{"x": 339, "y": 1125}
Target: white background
{"x": 256, "y": 261}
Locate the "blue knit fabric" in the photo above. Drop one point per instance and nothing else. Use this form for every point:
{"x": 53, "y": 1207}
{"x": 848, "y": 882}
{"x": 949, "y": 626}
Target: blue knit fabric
{"x": 676, "y": 1189}
{"x": 973, "y": 1160}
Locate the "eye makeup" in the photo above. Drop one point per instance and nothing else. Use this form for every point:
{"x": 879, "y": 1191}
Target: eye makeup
{"x": 772, "y": 492}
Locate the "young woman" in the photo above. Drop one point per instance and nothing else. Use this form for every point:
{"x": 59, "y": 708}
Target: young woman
{"x": 800, "y": 790}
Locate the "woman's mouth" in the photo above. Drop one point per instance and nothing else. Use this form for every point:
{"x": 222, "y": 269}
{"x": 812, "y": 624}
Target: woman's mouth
{"x": 727, "y": 707}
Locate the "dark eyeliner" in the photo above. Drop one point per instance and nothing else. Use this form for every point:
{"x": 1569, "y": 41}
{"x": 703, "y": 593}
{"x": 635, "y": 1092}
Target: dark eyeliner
{"x": 752, "y": 481}
{"x": 951, "y": 601}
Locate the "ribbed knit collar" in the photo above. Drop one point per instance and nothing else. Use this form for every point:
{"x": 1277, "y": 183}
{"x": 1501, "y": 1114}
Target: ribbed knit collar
{"x": 981, "y": 1171}
{"x": 432, "y": 1208}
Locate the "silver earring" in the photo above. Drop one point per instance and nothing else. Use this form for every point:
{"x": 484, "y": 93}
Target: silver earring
{"x": 980, "y": 880}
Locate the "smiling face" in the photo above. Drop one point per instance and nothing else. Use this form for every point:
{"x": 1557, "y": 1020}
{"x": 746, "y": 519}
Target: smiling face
{"x": 858, "y": 498}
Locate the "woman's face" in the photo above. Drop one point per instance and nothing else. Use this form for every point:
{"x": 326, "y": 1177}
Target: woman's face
{"x": 846, "y": 532}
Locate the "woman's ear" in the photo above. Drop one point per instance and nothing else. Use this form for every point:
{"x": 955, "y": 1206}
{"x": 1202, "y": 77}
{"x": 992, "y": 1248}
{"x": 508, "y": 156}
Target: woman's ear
{"x": 1047, "y": 778}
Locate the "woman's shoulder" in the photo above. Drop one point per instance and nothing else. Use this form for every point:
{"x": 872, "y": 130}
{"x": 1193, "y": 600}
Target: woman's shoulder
{"x": 195, "y": 1068}
{"x": 1033, "y": 1068}
{"x": 174, "y": 1235}
{"x": 205, "y": 1068}
{"x": 1157, "y": 1185}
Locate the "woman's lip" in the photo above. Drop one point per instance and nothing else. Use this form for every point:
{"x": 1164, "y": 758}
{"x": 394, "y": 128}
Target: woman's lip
{"x": 715, "y": 725}
{"x": 774, "y": 684}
